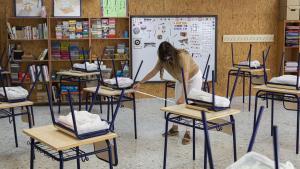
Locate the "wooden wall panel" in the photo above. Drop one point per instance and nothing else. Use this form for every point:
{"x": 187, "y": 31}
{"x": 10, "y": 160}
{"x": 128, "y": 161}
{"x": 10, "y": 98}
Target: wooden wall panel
{"x": 234, "y": 17}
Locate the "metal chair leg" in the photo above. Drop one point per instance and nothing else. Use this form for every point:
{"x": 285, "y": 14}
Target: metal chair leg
{"x": 166, "y": 141}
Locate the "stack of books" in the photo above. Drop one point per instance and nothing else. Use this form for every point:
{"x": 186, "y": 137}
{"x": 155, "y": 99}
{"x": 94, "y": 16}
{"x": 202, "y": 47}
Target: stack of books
{"x": 64, "y": 50}
{"x": 292, "y": 36}
{"x": 291, "y": 66}
{"x": 85, "y": 29}
{"x": 28, "y": 32}
{"x": 55, "y": 50}
{"x": 72, "y": 29}
{"x": 112, "y": 28}
{"x": 97, "y": 29}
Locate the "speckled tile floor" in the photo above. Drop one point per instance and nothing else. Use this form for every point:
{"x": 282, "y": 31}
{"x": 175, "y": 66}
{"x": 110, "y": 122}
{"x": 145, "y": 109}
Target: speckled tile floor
{"x": 147, "y": 151}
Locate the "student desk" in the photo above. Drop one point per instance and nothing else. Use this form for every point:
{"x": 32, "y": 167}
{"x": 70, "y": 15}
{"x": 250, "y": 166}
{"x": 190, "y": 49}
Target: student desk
{"x": 73, "y": 76}
{"x": 11, "y": 113}
{"x": 181, "y": 112}
{"x": 284, "y": 95}
{"x": 245, "y": 73}
{"x": 62, "y": 147}
{"x": 112, "y": 95}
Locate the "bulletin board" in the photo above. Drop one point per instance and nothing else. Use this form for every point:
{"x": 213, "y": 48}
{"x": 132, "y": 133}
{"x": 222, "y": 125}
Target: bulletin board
{"x": 196, "y": 34}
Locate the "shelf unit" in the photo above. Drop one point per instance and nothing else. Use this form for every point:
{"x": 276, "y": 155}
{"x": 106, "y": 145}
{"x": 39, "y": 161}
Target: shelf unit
{"x": 36, "y": 46}
{"x": 290, "y": 43}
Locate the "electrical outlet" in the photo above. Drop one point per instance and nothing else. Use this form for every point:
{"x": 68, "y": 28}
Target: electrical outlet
{"x": 248, "y": 38}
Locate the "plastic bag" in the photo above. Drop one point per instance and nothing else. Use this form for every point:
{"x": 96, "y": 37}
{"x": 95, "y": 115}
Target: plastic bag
{"x": 254, "y": 160}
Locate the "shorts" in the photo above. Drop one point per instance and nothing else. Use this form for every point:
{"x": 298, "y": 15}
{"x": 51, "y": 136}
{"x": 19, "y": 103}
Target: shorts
{"x": 194, "y": 83}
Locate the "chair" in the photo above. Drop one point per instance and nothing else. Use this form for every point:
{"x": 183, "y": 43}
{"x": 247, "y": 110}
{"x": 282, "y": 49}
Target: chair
{"x": 193, "y": 103}
{"x": 255, "y": 74}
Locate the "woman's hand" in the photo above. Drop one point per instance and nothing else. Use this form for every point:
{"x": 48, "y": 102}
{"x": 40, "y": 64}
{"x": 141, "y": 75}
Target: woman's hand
{"x": 136, "y": 86}
{"x": 180, "y": 100}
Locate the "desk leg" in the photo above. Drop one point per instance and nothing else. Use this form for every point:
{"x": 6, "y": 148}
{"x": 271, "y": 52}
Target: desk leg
{"x": 166, "y": 95}
{"x": 79, "y": 90}
{"x": 228, "y": 83}
{"x": 298, "y": 114}
{"x": 29, "y": 117}
{"x": 100, "y": 103}
{"x": 166, "y": 141}
{"x": 32, "y": 115}
{"x": 109, "y": 154}
{"x": 14, "y": 125}
{"x": 116, "y": 151}
{"x": 243, "y": 87}
{"x": 61, "y": 160}
{"x": 255, "y": 108}
{"x": 205, "y": 154}
{"x": 206, "y": 136}
{"x": 31, "y": 153}
{"x": 233, "y": 137}
{"x": 78, "y": 159}
{"x": 112, "y": 105}
{"x": 250, "y": 92}
{"x": 86, "y": 100}
{"x": 194, "y": 139}
{"x": 272, "y": 114}
{"x": 59, "y": 95}
{"x": 108, "y": 107}
{"x": 134, "y": 116}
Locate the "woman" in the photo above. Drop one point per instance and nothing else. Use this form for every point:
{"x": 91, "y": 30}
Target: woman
{"x": 173, "y": 60}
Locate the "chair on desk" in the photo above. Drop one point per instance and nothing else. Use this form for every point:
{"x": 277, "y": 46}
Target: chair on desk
{"x": 111, "y": 89}
{"x": 249, "y": 69}
{"x": 12, "y": 97}
{"x": 104, "y": 150}
{"x": 205, "y": 84}
{"x": 204, "y": 99}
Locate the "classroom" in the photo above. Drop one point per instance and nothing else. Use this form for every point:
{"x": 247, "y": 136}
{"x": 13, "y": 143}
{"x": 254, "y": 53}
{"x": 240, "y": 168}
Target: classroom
{"x": 150, "y": 84}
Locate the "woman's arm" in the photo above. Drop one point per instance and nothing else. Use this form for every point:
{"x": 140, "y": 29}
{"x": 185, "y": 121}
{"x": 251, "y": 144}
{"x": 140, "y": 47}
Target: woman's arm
{"x": 150, "y": 75}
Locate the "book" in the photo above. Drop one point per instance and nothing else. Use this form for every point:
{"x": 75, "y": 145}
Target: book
{"x": 43, "y": 55}
{"x": 9, "y": 30}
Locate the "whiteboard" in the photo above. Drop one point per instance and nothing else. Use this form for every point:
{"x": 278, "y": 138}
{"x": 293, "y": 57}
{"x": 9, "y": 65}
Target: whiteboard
{"x": 196, "y": 34}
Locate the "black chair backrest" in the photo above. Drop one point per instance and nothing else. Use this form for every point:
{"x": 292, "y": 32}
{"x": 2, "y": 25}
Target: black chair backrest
{"x": 115, "y": 72}
{"x": 213, "y": 87}
{"x": 206, "y": 66}
{"x": 248, "y": 57}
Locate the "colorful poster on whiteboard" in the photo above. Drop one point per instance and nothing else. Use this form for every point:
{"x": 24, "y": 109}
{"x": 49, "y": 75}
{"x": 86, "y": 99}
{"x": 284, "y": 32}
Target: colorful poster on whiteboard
{"x": 196, "y": 34}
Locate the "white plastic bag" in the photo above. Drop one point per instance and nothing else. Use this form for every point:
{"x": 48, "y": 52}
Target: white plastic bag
{"x": 254, "y": 160}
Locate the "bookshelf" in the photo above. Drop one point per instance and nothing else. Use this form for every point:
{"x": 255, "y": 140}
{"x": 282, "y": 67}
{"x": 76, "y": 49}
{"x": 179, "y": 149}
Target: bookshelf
{"x": 290, "y": 43}
{"x": 96, "y": 46}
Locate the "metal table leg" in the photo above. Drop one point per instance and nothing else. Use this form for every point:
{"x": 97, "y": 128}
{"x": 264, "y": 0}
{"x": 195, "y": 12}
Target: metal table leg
{"x": 166, "y": 141}
{"x": 134, "y": 116}
{"x": 233, "y": 137}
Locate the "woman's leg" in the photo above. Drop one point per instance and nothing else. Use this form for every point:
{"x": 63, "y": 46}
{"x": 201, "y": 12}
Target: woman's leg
{"x": 194, "y": 83}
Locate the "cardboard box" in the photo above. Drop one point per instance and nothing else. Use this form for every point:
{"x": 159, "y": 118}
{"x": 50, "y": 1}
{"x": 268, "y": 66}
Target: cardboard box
{"x": 289, "y": 2}
{"x": 289, "y": 12}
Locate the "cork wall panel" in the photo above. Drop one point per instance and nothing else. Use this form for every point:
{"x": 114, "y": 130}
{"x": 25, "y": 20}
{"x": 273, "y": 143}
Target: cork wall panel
{"x": 234, "y": 17}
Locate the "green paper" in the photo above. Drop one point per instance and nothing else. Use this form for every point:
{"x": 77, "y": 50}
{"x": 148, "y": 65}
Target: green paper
{"x": 114, "y": 8}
